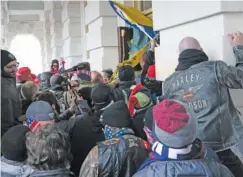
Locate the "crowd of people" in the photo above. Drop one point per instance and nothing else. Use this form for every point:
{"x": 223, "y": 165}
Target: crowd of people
{"x": 79, "y": 122}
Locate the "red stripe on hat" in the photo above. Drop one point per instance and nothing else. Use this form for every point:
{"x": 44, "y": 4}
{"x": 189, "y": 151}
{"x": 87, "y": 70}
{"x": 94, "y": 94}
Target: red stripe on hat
{"x": 170, "y": 116}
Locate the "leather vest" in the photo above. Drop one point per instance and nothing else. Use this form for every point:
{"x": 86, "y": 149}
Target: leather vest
{"x": 121, "y": 157}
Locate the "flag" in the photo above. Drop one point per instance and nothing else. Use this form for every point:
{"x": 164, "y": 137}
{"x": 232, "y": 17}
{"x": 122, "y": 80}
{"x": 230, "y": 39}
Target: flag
{"x": 133, "y": 61}
{"x": 139, "y": 41}
{"x": 134, "y": 18}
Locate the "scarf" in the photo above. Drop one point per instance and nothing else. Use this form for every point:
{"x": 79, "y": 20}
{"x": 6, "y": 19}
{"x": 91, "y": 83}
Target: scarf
{"x": 114, "y": 132}
{"x": 161, "y": 152}
{"x": 189, "y": 58}
{"x": 32, "y": 124}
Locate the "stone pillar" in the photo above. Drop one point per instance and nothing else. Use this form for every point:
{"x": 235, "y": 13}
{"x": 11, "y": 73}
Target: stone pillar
{"x": 101, "y": 35}
{"x": 208, "y": 21}
{"x": 38, "y": 32}
{"x": 47, "y": 41}
{"x": 4, "y": 22}
{"x": 71, "y": 33}
{"x": 56, "y": 29}
{"x": 83, "y": 48}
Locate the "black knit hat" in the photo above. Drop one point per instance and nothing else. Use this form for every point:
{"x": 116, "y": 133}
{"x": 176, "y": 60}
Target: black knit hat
{"x": 126, "y": 73}
{"x": 6, "y": 58}
{"x": 117, "y": 115}
{"x": 101, "y": 94}
{"x": 54, "y": 61}
{"x": 13, "y": 143}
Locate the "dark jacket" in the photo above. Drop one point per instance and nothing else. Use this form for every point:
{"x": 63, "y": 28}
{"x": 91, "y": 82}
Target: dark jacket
{"x": 115, "y": 158}
{"x": 153, "y": 85}
{"x": 125, "y": 84}
{"x": 59, "y": 94}
{"x": 149, "y": 60}
{"x": 138, "y": 123}
{"x": 204, "y": 87}
{"x": 11, "y": 107}
{"x": 66, "y": 120}
{"x": 53, "y": 173}
{"x": 200, "y": 168}
{"x": 87, "y": 131}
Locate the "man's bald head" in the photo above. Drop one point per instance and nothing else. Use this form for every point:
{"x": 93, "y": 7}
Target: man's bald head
{"x": 189, "y": 43}
{"x": 96, "y": 77}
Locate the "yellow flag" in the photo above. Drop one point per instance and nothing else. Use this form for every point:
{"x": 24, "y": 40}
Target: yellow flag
{"x": 131, "y": 14}
{"x": 133, "y": 61}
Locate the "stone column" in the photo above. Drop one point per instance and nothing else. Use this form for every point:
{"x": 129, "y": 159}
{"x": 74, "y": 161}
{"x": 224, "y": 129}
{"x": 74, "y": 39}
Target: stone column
{"x": 47, "y": 41}
{"x": 208, "y": 21}
{"x": 71, "y": 33}
{"x": 56, "y": 29}
{"x": 38, "y": 32}
{"x": 4, "y": 22}
{"x": 101, "y": 35}
{"x": 83, "y": 48}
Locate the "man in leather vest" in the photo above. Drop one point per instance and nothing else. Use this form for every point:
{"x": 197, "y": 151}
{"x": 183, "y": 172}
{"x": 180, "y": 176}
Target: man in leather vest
{"x": 122, "y": 153}
{"x": 204, "y": 86}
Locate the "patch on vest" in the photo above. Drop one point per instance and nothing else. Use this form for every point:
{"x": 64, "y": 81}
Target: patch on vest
{"x": 187, "y": 96}
{"x": 132, "y": 142}
{"x": 111, "y": 141}
{"x": 146, "y": 145}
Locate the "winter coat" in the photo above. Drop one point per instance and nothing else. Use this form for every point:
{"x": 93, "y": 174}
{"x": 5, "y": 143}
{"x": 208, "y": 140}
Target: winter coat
{"x": 118, "y": 157}
{"x": 11, "y": 107}
{"x": 125, "y": 84}
{"x": 59, "y": 94}
{"x": 204, "y": 87}
{"x": 138, "y": 123}
{"x": 87, "y": 131}
{"x": 66, "y": 120}
{"x": 149, "y": 60}
{"x": 14, "y": 169}
{"x": 200, "y": 168}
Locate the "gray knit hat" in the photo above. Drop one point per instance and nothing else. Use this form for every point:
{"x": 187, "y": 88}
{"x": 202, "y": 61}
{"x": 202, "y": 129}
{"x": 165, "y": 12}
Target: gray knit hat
{"x": 175, "y": 125}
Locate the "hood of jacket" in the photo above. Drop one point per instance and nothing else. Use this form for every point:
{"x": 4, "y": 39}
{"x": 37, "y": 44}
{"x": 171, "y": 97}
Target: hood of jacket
{"x": 202, "y": 167}
{"x": 125, "y": 84}
{"x": 11, "y": 168}
{"x": 53, "y": 173}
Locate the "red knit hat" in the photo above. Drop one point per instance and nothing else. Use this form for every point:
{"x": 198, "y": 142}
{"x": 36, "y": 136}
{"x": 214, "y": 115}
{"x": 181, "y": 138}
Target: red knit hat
{"x": 151, "y": 72}
{"x": 23, "y": 74}
{"x": 174, "y": 124}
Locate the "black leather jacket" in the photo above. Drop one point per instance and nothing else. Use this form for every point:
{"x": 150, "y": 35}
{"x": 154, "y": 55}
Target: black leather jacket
{"x": 115, "y": 158}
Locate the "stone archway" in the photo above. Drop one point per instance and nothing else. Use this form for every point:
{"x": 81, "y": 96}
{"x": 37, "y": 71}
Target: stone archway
{"x": 28, "y": 51}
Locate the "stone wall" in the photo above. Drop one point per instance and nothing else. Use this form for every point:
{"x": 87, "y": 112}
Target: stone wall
{"x": 101, "y": 35}
{"x": 208, "y": 21}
